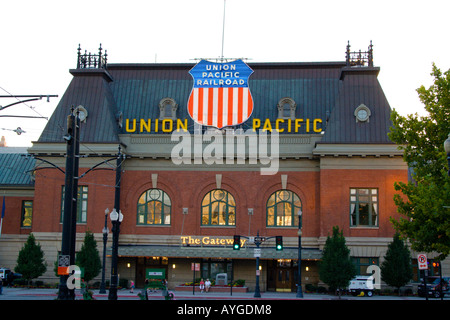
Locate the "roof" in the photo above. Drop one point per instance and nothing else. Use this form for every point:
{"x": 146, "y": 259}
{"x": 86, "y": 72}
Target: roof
{"x": 329, "y": 91}
{"x": 15, "y": 170}
{"x": 359, "y": 86}
{"x": 89, "y": 88}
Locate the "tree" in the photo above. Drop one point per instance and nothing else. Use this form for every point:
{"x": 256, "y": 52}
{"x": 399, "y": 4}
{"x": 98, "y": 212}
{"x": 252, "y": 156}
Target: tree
{"x": 30, "y": 262}
{"x": 396, "y": 269}
{"x": 88, "y": 257}
{"x": 424, "y": 208}
{"x": 336, "y": 269}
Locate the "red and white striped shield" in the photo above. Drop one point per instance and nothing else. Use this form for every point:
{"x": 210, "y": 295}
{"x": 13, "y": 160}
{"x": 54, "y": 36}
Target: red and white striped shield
{"x": 220, "y": 96}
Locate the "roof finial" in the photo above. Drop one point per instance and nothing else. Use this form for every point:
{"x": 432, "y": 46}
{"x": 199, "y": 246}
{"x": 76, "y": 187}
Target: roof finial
{"x": 359, "y": 58}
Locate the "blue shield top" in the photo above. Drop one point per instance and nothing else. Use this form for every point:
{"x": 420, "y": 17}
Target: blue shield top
{"x": 209, "y": 74}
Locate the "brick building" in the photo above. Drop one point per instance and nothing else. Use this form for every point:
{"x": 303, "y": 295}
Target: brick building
{"x": 335, "y": 165}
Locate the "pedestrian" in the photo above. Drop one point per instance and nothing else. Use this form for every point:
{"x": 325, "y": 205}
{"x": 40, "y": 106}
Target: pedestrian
{"x": 132, "y": 286}
{"x": 146, "y": 289}
{"x": 10, "y": 279}
{"x": 202, "y": 285}
{"x": 207, "y": 285}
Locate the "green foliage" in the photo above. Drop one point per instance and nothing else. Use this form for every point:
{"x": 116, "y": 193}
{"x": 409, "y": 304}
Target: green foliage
{"x": 396, "y": 269}
{"x": 30, "y": 262}
{"x": 426, "y": 221}
{"x": 88, "y": 257}
{"x": 336, "y": 268}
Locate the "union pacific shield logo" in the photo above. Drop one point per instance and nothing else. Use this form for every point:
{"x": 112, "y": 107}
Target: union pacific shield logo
{"x": 220, "y": 96}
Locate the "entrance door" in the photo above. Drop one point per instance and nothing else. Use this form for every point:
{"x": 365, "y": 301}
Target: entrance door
{"x": 284, "y": 280}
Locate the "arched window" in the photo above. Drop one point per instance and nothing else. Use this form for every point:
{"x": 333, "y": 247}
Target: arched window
{"x": 168, "y": 109}
{"x": 154, "y": 208}
{"x": 218, "y": 209}
{"x": 286, "y": 108}
{"x": 282, "y": 209}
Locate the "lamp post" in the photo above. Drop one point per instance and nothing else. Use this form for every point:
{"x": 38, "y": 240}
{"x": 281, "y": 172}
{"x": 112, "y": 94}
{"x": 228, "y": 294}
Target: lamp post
{"x": 447, "y": 151}
{"x": 299, "y": 285}
{"x": 70, "y": 205}
{"x": 105, "y": 239}
{"x": 258, "y": 241}
{"x": 116, "y": 220}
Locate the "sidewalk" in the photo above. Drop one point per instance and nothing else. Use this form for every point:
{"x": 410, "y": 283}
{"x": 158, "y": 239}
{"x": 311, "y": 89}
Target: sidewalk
{"x": 125, "y": 294}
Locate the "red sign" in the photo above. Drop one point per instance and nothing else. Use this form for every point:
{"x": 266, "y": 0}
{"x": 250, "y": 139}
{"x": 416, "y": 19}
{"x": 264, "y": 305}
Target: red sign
{"x": 195, "y": 266}
{"x": 422, "y": 262}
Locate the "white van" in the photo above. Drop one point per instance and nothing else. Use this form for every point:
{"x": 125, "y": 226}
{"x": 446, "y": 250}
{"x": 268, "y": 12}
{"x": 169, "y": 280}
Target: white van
{"x": 361, "y": 285}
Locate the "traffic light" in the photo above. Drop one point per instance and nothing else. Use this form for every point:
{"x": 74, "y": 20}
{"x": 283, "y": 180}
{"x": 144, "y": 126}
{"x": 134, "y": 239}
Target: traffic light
{"x": 236, "y": 242}
{"x": 435, "y": 264}
{"x": 279, "y": 243}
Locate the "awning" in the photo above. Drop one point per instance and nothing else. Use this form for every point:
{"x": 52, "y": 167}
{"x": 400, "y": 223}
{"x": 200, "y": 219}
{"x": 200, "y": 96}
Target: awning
{"x": 214, "y": 252}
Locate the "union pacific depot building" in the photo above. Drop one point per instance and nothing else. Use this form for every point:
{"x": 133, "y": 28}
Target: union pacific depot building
{"x": 193, "y": 154}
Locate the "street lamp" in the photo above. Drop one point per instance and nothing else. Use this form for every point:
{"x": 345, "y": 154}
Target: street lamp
{"x": 116, "y": 220}
{"x": 258, "y": 240}
{"x": 105, "y": 232}
{"x": 447, "y": 151}
{"x": 299, "y": 285}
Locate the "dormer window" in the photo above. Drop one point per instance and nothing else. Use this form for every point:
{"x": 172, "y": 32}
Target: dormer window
{"x": 362, "y": 113}
{"x": 168, "y": 109}
{"x": 286, "y": 108}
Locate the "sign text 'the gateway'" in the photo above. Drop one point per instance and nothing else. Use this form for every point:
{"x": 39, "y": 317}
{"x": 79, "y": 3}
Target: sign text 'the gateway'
{"x": 208, "y": 241}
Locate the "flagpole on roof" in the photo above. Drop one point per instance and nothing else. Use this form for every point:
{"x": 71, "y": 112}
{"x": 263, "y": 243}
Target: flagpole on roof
{"x": 223, "y": 29}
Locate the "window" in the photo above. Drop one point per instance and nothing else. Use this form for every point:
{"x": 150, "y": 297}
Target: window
{"x": 211, "y": 267}
{"x": 154, "y": 208}
{"x": 168, "y": 109}
{"x": 362, "y": 264}
{"x": 81, "y": 204}
{"x": 362, "y": 113}
{"x": 27, "y": 214}
{"x": 286, "y": 108}
{"x": 433, "y": 270}
{"x": 218, "y": 209}
{"x": 282, "y": 209}
{"x": 364, "y": 207}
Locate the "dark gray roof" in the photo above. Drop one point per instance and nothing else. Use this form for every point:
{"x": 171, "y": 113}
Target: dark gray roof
{"x": 359, "y": 86}
{"x": 326, "y": 90}
{"x": 15, "y": 170}
{"x": 89, "y": 88}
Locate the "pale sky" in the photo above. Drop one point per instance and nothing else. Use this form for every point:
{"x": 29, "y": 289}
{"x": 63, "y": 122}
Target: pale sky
{"x": 40, "y": 40}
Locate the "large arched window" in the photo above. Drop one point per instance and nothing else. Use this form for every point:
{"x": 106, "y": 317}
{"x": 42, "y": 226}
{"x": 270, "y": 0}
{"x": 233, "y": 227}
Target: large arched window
{"x": 282, "y": 209}
{"x": 154, "y": 208}
{"x": 218, "y": 209}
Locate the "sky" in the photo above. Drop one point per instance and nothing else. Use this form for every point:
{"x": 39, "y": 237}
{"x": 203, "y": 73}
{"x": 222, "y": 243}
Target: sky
{"x": 39, "y": 41}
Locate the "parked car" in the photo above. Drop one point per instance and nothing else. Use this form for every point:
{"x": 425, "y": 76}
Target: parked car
{"x": 361, "y": 284}
{"x": 434, "y": 287}
{"x": 7, "y": 276}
